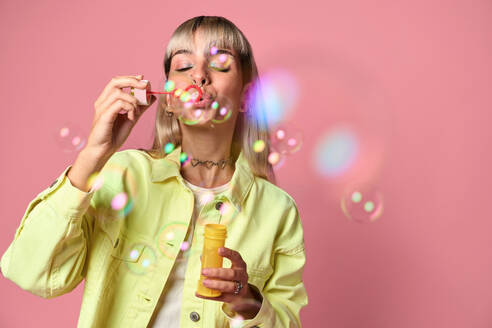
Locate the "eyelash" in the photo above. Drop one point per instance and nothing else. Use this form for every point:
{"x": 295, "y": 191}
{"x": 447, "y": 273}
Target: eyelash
{"x": 186, "y": 68}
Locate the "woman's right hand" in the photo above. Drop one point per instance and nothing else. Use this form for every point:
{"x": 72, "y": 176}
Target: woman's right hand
{"x": 116, "y": 113}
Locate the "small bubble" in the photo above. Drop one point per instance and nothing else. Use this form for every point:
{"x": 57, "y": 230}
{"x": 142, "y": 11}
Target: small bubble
{"x": 273, "y": 158}
{"x": 356, "y": 196}
{"x": 134, "y": 254}
{"x": 280, "y": 134}
{"x": 369, "y": 206}
{"x": 169, "y": 147}
{"x": 185, "y": 96}
{"x": 76, "y": 141}
{"x": 237, "y": 321}
{"x": 69, "y": 138}
{"x": 119, "y": 201}
{"x": 259, "y": 146}
{"x": 184, "y": 246}
{"x": 95, "y": 181}
{"x": 287, "y": 140}
{"x": 362, "y": 211}
{"x": 169, "y": 86}
{"x": 64, "y": 132}
{"x": 292, "y": 142}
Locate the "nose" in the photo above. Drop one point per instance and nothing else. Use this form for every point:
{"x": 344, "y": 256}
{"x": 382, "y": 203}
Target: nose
{"x": 199, "y": 76}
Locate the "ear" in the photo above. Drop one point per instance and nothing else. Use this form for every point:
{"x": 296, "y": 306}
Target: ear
{"x": 245, "y": 94}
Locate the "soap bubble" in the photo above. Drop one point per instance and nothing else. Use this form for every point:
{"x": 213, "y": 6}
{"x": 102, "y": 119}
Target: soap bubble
{"x": 227, "y": 212}
{"x": 184, "y": 159}
{"x": 222, "y": 110}
{"x": 123, "y": 190}
{"x": 220, "y": 61}
{"x": 286, "y": 139}
{"x": 95, "y": 181}
{"x": 184, "y": 246}
{"x": 259, "y": 146}
{"x": 69, "y": 138}
{"x": 336, "y": 152}
{"x": 168, "y": 148}
{"x": 119, "y": 201}
{"x": 362, "y": 204}
{"x": 276, "y": 94}
{"x": 170, "y": 236}
{"x": 236, "y": 321}
{"x": 140, "y": 259}
{"x": 169, "y": 86}
{"x": 182, "y": 105}
{"x": 276, "y": 159}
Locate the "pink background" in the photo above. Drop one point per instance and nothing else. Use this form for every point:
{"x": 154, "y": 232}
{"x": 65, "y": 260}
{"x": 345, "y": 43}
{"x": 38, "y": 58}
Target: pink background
{"x": 415, "y": 76}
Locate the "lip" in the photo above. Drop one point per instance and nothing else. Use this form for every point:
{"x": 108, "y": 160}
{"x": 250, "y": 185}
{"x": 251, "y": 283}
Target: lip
{"x": 204, "y": 103}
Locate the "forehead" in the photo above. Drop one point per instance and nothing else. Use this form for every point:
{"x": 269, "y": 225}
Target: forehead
{"x": 200, "y": 43}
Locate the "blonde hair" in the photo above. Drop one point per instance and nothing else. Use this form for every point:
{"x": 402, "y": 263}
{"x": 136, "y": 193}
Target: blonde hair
{"x": 251, "y": 125}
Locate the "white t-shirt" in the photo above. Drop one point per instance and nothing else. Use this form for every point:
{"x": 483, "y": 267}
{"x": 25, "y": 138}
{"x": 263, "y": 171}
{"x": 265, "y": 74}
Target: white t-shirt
{"x": 168, "y": 308}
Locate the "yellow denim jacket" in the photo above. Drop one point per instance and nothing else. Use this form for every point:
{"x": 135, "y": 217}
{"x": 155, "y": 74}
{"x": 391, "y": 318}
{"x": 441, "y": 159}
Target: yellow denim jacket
{"x": 126, "y": 254}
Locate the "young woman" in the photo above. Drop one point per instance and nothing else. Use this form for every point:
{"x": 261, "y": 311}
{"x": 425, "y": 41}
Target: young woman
{"x": 137, "y": 238}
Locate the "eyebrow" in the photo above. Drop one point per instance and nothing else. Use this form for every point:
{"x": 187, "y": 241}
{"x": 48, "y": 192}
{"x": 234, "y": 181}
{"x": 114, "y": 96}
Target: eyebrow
{"x": 207, "y": 54}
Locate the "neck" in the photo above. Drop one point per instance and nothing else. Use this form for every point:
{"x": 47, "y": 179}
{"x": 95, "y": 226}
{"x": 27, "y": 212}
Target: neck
{"x": 200, "y": 143}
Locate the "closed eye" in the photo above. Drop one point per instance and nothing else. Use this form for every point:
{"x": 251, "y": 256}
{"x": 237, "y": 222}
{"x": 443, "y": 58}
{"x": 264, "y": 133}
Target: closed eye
{"x": 183, "y": 69}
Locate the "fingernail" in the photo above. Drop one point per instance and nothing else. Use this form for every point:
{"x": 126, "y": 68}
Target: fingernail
{"x": 205, "y": 271}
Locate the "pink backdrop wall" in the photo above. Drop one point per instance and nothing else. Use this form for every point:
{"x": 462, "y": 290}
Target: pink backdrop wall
{"x": 412, "y": 79}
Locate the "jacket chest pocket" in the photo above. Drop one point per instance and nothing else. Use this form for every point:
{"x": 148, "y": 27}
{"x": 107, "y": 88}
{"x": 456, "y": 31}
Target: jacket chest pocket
{"x": 130, "y": 261}
{"x": 132, "y": 256}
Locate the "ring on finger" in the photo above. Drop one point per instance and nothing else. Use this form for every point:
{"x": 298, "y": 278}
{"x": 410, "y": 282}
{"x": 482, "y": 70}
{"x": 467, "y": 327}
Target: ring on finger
{"x": 238, "y": 287}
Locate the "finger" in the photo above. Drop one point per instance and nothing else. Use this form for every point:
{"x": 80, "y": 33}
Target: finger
{"x": 126, "y": 82}
{"x": 123, "y": 82}
{"x": 221, "y": 298}
{"x": 109, "y": 87}
{"x": 131, "y": 115}
{"x": 223, "y": 273}
{"x": 118, "y": 94}
{"x": 116, "y": 107}
{"x": 236, "y": 259}
{"x": 221, "y": 285}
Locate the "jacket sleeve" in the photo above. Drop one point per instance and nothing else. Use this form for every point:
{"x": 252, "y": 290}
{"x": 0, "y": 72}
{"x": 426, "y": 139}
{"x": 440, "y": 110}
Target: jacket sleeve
{"x": 47, "y": 255}
{"x": 284, "y": 293}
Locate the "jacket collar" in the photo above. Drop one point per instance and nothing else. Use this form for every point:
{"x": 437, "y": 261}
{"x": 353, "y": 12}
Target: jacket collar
{"x": 241, "y": 182}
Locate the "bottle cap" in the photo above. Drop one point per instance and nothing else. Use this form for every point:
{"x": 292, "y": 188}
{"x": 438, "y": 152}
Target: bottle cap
{"x": 215, "y": 231}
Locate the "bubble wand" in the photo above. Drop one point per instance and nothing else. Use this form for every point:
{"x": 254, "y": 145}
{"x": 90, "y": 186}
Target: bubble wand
{"x": 143, "y": 95}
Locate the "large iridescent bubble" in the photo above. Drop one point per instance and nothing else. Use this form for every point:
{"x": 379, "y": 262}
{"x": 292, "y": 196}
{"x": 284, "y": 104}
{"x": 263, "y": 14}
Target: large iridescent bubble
{"x": 274, "y": 93}
{"x": 69, "y": 138}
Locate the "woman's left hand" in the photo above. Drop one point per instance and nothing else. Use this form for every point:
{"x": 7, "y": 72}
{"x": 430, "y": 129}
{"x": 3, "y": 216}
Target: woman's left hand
{"x": 246, "y": 303}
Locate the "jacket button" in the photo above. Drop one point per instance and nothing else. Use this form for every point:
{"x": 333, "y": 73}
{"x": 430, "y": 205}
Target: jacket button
{"x": 218, "y": 205}
{"x": 117, "y": 241}
{"x": 194, "y": 316}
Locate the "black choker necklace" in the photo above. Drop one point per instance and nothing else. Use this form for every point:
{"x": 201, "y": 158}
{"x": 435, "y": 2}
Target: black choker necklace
{"x": 209, "y": 164}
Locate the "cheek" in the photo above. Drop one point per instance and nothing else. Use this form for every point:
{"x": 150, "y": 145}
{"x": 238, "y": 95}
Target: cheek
{"x": 180, "y": 81}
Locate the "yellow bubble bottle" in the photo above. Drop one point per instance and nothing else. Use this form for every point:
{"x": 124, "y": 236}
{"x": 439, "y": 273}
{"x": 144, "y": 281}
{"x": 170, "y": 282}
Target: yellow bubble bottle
{"x": 214, "y": 238}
